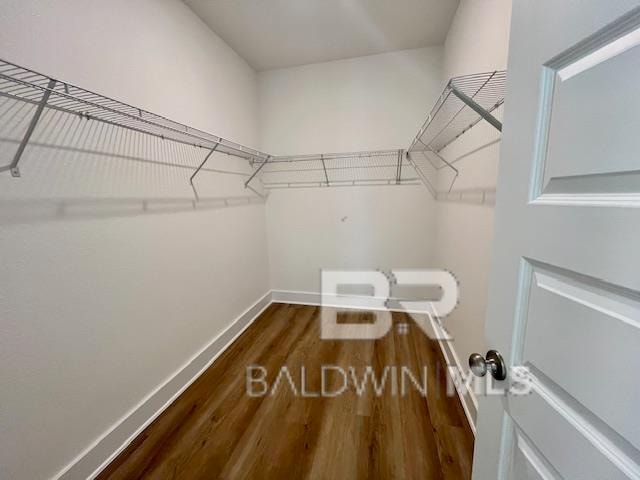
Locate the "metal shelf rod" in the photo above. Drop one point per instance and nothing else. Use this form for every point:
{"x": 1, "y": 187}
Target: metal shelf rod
{"x": 343, "y": 183}
{"x": 477, "y": 108}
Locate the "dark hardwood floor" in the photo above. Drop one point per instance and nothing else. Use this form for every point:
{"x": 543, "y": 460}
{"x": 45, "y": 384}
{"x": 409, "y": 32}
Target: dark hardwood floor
{"x": 216, "y": 430}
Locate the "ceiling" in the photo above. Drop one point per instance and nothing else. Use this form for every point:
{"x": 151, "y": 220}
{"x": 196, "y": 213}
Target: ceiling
{"x": 272, "y": 34}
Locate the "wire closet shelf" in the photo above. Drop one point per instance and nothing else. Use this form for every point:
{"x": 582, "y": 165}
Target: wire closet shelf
{"x": 25, "y": 85}
{"x": 451, "y": 116}
{"x": 382, "y": 167}
{"x": 465, "y": 101}
{"x": 338, "y": 169}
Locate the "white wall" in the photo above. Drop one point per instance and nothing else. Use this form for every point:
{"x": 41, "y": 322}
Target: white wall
{"x": 478, "y": 39}
{"x": 477, "y": 42}
{"x": 366, "y": 103}
{"x": 110, "y": 277}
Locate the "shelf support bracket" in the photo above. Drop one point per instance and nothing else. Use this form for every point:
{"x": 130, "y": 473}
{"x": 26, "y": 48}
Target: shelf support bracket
{"x": 423, "y": 178}
{"x": 325, "y": 169}
{"x": 399, "y": 168}
{"x": 15, "y": 171}
{"x": 215, "y": 147}
{"x": 472, "y": 104}
{"x": 246, "y": 184}
{"x": 454, "y": 169}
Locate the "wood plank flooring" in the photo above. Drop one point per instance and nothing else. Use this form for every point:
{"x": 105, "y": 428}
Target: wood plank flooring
{"x": 216, "y": 430}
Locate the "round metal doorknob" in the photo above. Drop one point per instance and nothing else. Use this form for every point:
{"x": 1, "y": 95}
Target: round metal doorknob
{"x": 494, "y": 363}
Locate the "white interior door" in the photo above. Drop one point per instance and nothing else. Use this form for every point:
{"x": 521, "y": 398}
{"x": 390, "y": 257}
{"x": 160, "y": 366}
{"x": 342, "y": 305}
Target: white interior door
{"x": 565, "y": 282}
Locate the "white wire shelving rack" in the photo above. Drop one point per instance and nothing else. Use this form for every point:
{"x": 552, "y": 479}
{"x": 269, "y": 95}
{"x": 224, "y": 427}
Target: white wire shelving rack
{"x": 464, "y": 102}
{"x": 42, "y": 92}
{"x": 382, "y": 167}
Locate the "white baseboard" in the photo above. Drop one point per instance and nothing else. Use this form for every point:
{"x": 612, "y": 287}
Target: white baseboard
{"x": 467, "y": 398}
{"x": 297, "y": 298}
{"x": 106, "y": 448}
{"x": 355, "y": 302}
